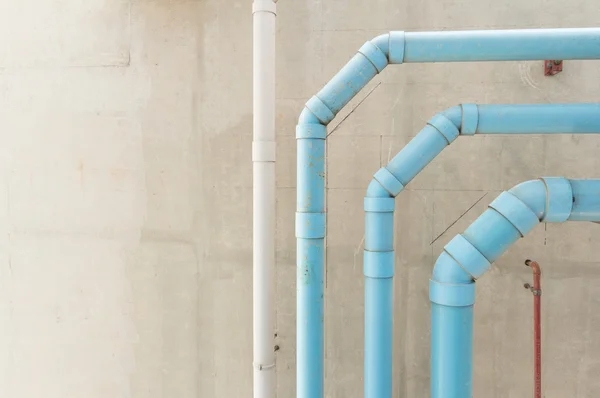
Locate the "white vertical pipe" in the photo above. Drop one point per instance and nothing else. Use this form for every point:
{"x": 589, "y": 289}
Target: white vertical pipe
{"x": 263, "y": 158}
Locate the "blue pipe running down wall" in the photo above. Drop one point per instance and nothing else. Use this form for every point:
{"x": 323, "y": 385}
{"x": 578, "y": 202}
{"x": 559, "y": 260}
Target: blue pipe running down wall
{"x": 389, "y": 181}
{"x": 371, "y": 59}
{"x": 469, "y": 255}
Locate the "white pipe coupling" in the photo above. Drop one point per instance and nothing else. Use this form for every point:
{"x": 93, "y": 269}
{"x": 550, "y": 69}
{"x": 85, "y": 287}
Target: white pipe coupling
{"x": 264, "y": 6}
{"x": 263, "y": 151}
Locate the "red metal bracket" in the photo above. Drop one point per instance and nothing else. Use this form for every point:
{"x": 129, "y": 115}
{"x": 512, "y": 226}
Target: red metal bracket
{"x": 552, "y": 67}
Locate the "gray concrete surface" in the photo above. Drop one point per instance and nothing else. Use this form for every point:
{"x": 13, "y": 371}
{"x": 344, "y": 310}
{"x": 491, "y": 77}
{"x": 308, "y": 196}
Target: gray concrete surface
{"x": 125, "y": 203}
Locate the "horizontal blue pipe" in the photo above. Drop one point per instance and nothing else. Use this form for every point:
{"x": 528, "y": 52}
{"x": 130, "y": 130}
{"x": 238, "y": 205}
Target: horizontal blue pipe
{"x": 498, "y": 45}
{"x": 539, "y": 119}
{"x": 468, "y": 256}
{"x": 586, "y": 203}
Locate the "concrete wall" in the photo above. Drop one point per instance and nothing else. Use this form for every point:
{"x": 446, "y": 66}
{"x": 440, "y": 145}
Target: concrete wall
{"x": 125, "y": 203}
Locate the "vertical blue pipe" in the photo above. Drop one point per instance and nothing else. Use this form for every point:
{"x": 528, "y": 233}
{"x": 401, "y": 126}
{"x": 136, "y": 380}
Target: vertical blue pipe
{"x": 310, "y": 233}
{"x": 379, "y": 273}
{"x": 310, "y": 305}
{"x": 310, "y": 213}
{"x": 452, "y": 294}
{"x": 379, "y": 247}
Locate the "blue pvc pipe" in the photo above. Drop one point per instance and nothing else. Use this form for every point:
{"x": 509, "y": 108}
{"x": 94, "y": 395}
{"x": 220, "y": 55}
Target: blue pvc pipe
{"x": 378, "y": 337}
{"x": 379, "y": 273}
{"x": 468, "y": 256}
{"x": 498, "y": 45}
{"x": 310, "y": 252}
{"x": 417, "y": 154}
{"x": 539, "y": 119}
{"x": 372, "y": 58}
{"x": 452, "y": 351}
{"x": 310, "y": 312}
{"x": 490, "y": 233}
{"x": 586, "y": 206}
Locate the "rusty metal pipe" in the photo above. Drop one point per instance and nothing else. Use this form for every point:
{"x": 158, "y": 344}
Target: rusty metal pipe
{"x": 536, "y": 289}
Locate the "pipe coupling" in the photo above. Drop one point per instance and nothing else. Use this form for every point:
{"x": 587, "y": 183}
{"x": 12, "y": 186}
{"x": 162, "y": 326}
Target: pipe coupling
{"x": 264, "y": 6}
{"x": 516, "y": 212}
{"x": 388, "y": 181}
{"x": 559, "y": 199}
{"x": 467, "y": 256}
{"x": 263, "y": 151}
{"x": 452, "y": 295}
{"x": 397, "y": 44}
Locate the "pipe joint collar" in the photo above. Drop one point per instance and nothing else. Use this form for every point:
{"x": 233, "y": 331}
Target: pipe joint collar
{"x": 559, "y": 199}
{"x": 311, "y": 130}
{"x": 374, "y": 55}
{"x": 467, "y": 255}
{"x": 397, "y": 45}
{"x": 310, "y": 225}
{"x": 470, "y": 119}
{"x": 388, "y": 181}
{"x": 264, "y": 6}
{"x": 452, "y": 295}
{"x": 445, "y": 126}
{"x": 378, "y": 265}
{"x": 320, "y": 110}
{"x": 263, "y": 151}
{"x": 379, "y": 205}
{"x": 516, "y": 212}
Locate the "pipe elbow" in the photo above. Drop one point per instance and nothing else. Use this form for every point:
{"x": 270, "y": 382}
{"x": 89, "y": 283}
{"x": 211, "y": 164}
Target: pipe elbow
{"x": 549, "y": 198}
{"x": 448, "y": 270}
{"x": 450, "y": 285}
{"x": 376, "y": 190}
{"x": 445, "y": 125}
{"x": 384, "y": 184}
{"x": 454, "y": 114}
{"x": 383, "y": 43}
{"x": 533, "y": 194}
{"x": 307, "y": 117}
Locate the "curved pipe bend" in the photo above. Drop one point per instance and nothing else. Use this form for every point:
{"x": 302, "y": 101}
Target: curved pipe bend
{"x": 512, "y": 215}
{"x": 469, "y": 255}
{"x": 321, "y": 109}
